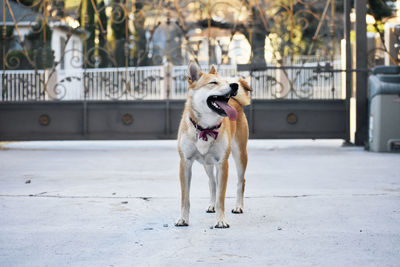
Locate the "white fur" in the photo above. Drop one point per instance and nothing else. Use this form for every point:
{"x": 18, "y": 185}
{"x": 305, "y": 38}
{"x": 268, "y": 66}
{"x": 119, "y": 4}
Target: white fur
{"x": 213, "y": 186}
{"x": 203, "y": 146}
{"x": 207, "y": 118}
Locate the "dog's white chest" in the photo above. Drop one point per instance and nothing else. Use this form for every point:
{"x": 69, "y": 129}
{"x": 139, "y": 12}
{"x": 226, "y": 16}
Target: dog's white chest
{"x": 203, "y": 146}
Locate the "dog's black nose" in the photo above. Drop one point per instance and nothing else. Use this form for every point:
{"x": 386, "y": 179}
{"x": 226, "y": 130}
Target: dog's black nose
{"x": 234, "y": 87}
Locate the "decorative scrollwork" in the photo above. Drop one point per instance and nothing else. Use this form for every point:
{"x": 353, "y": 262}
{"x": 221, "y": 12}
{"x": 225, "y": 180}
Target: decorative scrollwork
{"x": 12, "y": 60}
{"x": 122, "y": 50}
{"x": 56, "y": 92}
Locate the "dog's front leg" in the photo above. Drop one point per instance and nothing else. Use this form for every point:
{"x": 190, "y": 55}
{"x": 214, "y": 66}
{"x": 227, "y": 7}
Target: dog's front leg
{"x": 185, "y": 175}
{"x": 212, "y": 184}
{"x": 222, "y": 180}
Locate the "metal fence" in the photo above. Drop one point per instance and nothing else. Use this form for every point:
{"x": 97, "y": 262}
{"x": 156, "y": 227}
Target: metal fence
{"x": 22, "y": 85}
{"x": 124, "y": 83}
{"x": 307, "y": 81}
{"x": 179, "y": 78}
{"x": 296, "y": 82}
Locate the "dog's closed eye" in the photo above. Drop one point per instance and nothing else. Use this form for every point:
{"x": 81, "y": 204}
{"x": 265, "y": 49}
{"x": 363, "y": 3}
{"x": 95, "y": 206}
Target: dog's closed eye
{"x": 214, "y": 82}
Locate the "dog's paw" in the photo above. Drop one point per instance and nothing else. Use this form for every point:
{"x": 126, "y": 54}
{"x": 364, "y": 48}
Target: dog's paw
{"x": 211, "y": 209}
{"x": 221, "y": 224}
{"x": 237, "y": 210}
{"x": 181, "y": 222}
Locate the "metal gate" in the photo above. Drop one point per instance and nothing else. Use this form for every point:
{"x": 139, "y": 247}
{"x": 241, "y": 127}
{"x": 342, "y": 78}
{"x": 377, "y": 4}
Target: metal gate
{"x": 64, "y": 77}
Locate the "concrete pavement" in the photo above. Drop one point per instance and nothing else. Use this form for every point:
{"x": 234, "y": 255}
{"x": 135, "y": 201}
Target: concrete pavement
{"x": 114, "y": 203}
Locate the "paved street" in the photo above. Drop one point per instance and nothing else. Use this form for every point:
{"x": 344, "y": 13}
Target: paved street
{"x": 114, "y": 203}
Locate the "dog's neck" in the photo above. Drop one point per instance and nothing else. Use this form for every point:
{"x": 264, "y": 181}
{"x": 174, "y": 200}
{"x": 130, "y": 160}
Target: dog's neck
{"x": 204, "y": 120}
{"x": 205, "y": 132}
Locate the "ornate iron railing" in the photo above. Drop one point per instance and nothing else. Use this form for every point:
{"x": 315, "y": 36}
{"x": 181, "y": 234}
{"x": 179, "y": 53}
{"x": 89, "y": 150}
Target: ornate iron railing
{"x": 151, "y": 83}
{"x": 22, "y": 85}
{"x": 126, "y": 50}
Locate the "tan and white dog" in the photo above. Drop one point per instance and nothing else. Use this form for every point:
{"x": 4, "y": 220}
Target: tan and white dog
{"x": 213, "y": 124}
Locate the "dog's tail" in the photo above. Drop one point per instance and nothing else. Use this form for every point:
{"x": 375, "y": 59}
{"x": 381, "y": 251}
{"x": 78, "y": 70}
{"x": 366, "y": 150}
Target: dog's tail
{"x": 243, "y": 95}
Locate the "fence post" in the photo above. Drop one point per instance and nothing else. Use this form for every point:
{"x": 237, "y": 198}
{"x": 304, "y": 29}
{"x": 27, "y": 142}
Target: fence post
{"x": 348, "y": 74}
{"x": 166, "y": 90}
{"x": 362, "y": 73}
{"x": 166, "y": 96}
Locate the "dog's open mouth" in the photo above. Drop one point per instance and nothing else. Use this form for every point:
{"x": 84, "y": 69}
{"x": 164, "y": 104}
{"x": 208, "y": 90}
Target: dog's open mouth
{"x": 219, "y": 104}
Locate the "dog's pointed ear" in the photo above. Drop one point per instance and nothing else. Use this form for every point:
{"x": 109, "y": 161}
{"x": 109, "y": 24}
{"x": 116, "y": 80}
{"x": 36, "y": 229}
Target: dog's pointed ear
{"x": 194, "y": 72}
{"x": 245, "y": 85}
{"x": 213, "y": 70}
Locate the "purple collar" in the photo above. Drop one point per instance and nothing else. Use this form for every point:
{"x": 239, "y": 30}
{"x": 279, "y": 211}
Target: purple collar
{"x": 209, "y": 131}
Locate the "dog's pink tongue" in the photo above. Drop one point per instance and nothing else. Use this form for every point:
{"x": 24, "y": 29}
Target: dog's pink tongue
{"x": 230, "y": 111}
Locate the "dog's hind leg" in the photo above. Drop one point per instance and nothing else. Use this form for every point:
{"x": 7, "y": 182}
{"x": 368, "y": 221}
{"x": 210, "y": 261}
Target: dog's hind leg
{"x": 239, "y": 154}
{"x": 212, "y": 184}
{"x": 185, "y": 175}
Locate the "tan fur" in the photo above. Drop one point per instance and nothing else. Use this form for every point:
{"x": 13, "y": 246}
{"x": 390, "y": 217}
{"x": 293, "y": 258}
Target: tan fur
{"x": 225, "y": 167}
{"x": 229, "y": 132}
{"x": 243, "y": 96}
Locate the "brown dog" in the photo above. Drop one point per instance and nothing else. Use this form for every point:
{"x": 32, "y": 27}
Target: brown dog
{"x": 213, "y": 124}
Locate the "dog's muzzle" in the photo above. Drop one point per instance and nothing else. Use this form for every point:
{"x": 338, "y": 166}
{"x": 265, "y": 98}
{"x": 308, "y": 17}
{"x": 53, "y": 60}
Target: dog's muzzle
{"x": 234, "y": 88}
{"x": 219, "y": 103}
